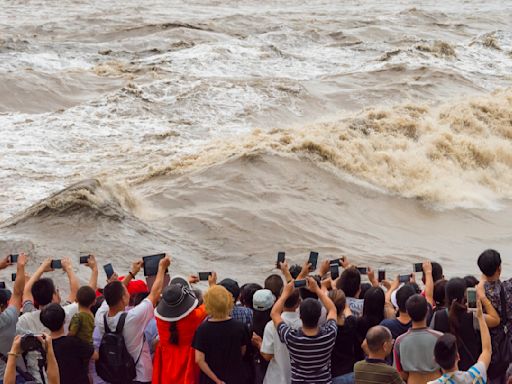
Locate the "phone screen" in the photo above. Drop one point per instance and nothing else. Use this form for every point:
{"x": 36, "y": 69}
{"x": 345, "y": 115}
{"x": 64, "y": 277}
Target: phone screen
{"x": 13, "y": 258}
{"x": 13, "y": 277}
{"x": 363, "y": 270}
{"x": 109, "y": 270}
{"x": 471, "y": 293}
{"x": 280, "y": 258}
{"x": 151, "y": 264}
{"x": 56, "y": 264}
{"x": 382, "y": 275}
{"x": 203, "y": 276}
{"x": 313, "y": 260}
{"x": 335, "y": 271}
{"x": 404, "y": 278}
{"x": 84, "y": 259}
{"x": 299, "y": 283}
{"x": 418, "y": 267}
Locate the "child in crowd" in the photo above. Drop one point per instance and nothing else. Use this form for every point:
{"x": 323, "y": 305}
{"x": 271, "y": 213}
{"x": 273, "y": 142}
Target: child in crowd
{"x": 82, "y": 323}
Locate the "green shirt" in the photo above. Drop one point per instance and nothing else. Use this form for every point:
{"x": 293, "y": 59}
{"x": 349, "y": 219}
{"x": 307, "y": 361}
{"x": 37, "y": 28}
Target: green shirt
{"x": 373, "y": 371}
{"x": 82, "y": 326}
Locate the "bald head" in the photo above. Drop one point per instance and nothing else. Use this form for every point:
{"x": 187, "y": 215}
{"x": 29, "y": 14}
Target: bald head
{"x": 376, "y": 337}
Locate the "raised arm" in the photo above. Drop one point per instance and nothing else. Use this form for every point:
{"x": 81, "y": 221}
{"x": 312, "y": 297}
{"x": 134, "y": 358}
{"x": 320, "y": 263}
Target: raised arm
{"x": 19, "y": 284}
{"x": 322, "y": 296}
{"x": 44, "y": 267}
{"x": 52, "y": 368}
{"x": 491, "y": 316}
{"x": 429, "y": 283}
{"x": 371, "y": 276}
{"x": 91, "y": 263}
{"x": 136, "y": 267}
{"x": 158, "y": 285}
{"x": 10, "y": 366}
{"x": 285, "y": 271}
{"x": 278, "y": 307}
{"x": 485, "y": 356}
{"x": 74, "y": 283}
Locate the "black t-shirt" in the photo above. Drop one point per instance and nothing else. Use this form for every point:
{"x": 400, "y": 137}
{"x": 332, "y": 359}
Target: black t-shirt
{"x": 221, "y": 342}
{"x": 346, "y": 349}
{"x": 73, "y": 357}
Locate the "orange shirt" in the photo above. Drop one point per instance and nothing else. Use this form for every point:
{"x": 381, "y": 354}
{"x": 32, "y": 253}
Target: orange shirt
{"x": 176, "y": 364}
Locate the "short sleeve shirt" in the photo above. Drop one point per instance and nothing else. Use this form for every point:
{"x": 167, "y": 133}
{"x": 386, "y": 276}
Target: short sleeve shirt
{"x": 477, "y": 374}
{"x": 82, "y": 324}
{"x": 414, "y": 350}
{"x": 310, "y": 356}
{"x": 8, "y": 319}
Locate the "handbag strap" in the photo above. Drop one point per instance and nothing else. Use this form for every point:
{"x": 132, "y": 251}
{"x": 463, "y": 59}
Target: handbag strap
{"x": 503, "y": 312}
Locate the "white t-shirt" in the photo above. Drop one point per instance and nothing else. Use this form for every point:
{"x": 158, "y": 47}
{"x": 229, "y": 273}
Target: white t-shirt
{"x": 477, "y": 374}
{"x": 279, "y": 368}
{"x": 136, "y": 321}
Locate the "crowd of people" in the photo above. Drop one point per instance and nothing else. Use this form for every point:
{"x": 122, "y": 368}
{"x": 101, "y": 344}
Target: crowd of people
{"x": 303, "y": 325}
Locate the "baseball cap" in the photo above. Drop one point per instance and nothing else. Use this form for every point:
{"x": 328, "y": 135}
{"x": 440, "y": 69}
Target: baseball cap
{"x": 263, "y": 300}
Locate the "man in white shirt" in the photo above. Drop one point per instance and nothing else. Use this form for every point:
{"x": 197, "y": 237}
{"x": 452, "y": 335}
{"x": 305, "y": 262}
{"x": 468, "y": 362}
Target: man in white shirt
{"x": 273, "y": 350}
{"x": 116, "y": 300}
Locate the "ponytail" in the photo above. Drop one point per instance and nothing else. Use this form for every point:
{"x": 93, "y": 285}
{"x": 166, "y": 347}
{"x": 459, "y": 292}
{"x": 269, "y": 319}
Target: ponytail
{"x": 456, "y": 310}
{"x": 174, "y": 339}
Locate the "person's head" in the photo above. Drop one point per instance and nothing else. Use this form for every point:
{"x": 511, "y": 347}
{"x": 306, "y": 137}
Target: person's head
{"x": 232, "y": 287}
{"x": 247, "y": 292}
{"x": 437, "y": 272}
{"x": 5, "y": 296}
{"x": 440, "y": 293}
{"x": 455, "y": 291}
{"x": 52, "y": 316}
{"x": 489, "y": 263}
{"x": 471, "y": 281}
{"x": 97, "y": 305}
{"x": 402, "y": 295}
{"x": 137, "y": 298}
{"x": 218, "y": 302}
{"x": 293, "y": 301}
{"x": 338, "y": 298}
{"x": 275, "y": 284}
{"x": 310, "y": 311}
{"x": 116, "y": 294}
{"x": 417, "y": 308}
{"x": 86, "y": 297}
{"x": 446, "y": 353}
{"x": 306, "y": 293}
{"x": 350, "y": 282}
{"x": 364, "y": 288}
{"x": 379, "y": 340}
{"x": 44, "y": 292}
{"x": 373, "y": 308}
{"x": 263, "y": 300}
{"x": 295, "y": 270}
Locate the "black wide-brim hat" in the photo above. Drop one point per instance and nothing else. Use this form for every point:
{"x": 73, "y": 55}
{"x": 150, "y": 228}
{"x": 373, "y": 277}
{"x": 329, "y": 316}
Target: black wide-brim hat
{"x": 177, "y": 303}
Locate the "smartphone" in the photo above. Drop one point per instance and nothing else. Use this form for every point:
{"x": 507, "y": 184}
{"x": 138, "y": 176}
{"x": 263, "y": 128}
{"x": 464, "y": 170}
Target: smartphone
{"x": 382, "y": 275}
{"x": 404, "y": 278}
{"x": 151, "y": 264}
{"x": 203, "y": 276}
{"x": 313, "y": 260}
{"x": 363, "y": 270}
{"x": 13, "y": 277}
{"x": 418, "y": 267}
{"x": 56, "y": 264}
{"x": 471, "y": 297}
{"x": 2, "y": 285}
{"x": 336, "y": 261}
{"x": 13, "y": 258}
{"x": 84, "y": 259}
{"x": 280, "y": 258}
{"x": 299, "y": 283}
{"x": 109, "y": 270}
{"x": 335, "y": 270}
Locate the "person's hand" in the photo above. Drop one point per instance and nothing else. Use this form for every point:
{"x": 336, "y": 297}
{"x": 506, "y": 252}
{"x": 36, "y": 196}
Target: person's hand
{"x": 22, "y": 260}
{"x": 66, "y": 264}
{"x": 46, "y": 341}
{"x": 212, "y": 279}
{"x": 427, "y": 267}
{"x": 16, "y": 345}
{"x": 312, "y": 285}
{"x": 256, "y": 340}
{"x": 479, "y": 312}
{"x": 371, "y": 274}
{"x": 395, "y": 284}
{"x": 220, "y": 382}
{"x": 137, "y": 265}
{"x": 47, "y": 265}
{"x": 480, "y": 290}
{"x": 193, "y": 279}
{"x": 91, "y": 262}
{"x": 284, "y": 266}
{"x": 5, "y": 262}
{"x": 327, "y": 284}
{"x": 412, "y": 278}
{"x": 164, "y": 263}
{"x": 114, "y": 277}
{"x": 386, "y": 284}
{"x": 344, "y": 262}
{"x": 306, "y": 268}
{"x": 325, "y": 267}
{"x": 288, "y": 289}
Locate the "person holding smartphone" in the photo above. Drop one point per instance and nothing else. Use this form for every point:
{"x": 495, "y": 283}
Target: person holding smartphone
{"x": 461, "y": 322}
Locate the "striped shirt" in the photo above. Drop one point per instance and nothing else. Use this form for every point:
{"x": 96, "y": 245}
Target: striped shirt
{"x": 310, "y": 356}
{"x": 475, "y": 375}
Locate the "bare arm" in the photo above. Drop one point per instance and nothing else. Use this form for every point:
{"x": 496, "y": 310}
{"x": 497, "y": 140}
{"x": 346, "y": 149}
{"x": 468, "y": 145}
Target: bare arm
{"x": 429, "y": 283}
{"x": 74, "y": 283}
{"x": 322, "y": 296}
{"x": 285, "y": 271}
{"x": 278, "y": 307}
{"x": 485, "y": 356}
{"x": 491, "y": 316}
{"x": 371, "y": 276}
{"x": 136, "y": 267}
{"x": 158, "y": 285}
{"x": 19, "y": 284}
{"x": 52, "y": 368}
{"x": 203, "y": 365}
{"x": 44, "y": 267}
{"x": 91, "y": 263}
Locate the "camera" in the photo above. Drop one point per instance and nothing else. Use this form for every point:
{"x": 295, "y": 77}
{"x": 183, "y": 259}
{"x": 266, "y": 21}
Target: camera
{"x": 30, "y": 342}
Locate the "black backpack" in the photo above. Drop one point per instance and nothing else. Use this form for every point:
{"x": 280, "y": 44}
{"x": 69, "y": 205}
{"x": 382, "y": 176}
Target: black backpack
{"x": 115, "y": 365}
{"x": 501, "y": 340}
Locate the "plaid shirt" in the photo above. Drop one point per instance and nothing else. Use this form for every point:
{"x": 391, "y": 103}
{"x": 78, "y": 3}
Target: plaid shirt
{"x": 492, "y": 291}
{"x": 242, "y": 314}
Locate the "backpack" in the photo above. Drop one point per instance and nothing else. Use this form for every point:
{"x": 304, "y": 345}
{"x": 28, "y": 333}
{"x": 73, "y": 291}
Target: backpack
{"x": 115, "y": 364}
{"x": 501, "y": 341}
